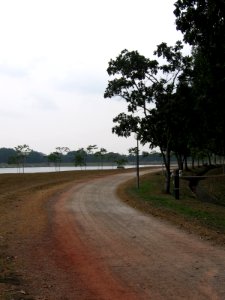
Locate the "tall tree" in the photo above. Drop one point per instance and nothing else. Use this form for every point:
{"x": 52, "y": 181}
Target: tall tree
{"x": 143, "y": 84}
{"x": 203, "y": 24}
{"x": 60, "y": 152}
{"x": 101, "y": 154}
{"x": 90, "y": 149}
{"x": 22, "y": 151}
{"x": 80, "y": 157}
{"x": 55, "y": 158}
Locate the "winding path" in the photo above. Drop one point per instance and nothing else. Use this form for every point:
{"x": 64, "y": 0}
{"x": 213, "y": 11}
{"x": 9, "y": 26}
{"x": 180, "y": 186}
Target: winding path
{"x": 112, "y": 251}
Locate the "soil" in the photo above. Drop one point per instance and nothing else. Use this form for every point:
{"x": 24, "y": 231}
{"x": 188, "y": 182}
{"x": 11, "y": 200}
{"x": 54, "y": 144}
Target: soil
{"x": 77, "y": 240}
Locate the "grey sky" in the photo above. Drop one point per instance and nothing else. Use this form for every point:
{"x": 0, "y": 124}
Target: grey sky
{"x": 53, "y": 60}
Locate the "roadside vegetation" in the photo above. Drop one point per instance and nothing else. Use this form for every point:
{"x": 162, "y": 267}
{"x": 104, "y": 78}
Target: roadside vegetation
{"x": 175, "y": 102}
{"x": 207, "y": 219}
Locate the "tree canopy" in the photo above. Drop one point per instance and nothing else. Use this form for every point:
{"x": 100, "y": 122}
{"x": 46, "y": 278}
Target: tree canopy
{"x": 149, "y": 87}
{"x": 176, "y": 102}
{"x": 202, "y": 23}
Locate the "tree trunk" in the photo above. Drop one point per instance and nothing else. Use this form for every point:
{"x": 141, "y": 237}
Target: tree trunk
{"x": 166, "y": 160}
{"x": 193, "y": 162}
{"x": 185, "y": 163}
{"x": 179, "y": 161}
{"x": 209, "y": 158}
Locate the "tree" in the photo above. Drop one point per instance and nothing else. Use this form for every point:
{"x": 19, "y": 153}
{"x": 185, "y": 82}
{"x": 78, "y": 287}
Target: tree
{"x": 121, "y": 162}
{"x": 101, "y": 153}
{"x": 135, "y": 152}
{"x": 59, "y": 153}
{"x": 111, "y": 157}
{"x": 80, "y": 157}
{"x": 22, "y": 151}
{"x": 143, "y": 83}
{"x": 55, "y": 157}
{"x": 203, "y": 26}
{"x": 90, "y": 149}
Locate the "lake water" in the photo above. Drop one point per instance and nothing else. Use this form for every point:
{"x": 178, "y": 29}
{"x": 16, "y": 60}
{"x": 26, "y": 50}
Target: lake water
{"x": 53, "y": 169}
{"x": 46, "y": 169}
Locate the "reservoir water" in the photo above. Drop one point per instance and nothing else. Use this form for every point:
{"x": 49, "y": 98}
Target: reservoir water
{"x": 62, "y": 168}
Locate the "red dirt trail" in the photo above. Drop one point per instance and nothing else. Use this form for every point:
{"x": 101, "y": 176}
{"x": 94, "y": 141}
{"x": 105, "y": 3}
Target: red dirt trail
{"x": 97, "y": 247}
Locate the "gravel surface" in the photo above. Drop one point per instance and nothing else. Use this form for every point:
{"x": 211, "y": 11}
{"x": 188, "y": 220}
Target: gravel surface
{"x": 121, "y": 253}
{"x": 87, "y": 244}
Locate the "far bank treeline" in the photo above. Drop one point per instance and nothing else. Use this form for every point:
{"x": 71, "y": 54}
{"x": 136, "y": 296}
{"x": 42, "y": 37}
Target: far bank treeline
{"x": 81, "y": 157}
{"x": 176, "y": 102}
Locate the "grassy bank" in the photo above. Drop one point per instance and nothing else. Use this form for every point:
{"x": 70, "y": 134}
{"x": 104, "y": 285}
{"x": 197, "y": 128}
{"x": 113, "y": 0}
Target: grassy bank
{"x": 215, "y": 185}
{"x": 205, "y": 219}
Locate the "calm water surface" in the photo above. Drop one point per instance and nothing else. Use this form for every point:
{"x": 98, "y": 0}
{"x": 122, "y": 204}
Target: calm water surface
{"x": 48, "y": 169}
{"x": 53, "y": 169}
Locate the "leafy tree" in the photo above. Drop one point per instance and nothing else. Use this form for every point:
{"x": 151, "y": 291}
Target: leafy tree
{"x": 121, "y": 162}
{"x": 111, "y": 157}
{"x": 80, "y": 157}
{"x": 203, "y": 26}
{"x": 101, "y": 154}
{"x": 22, "y": 151}
{"x": 143, "y": 83}
{"x": 90, "y": 149}
{"x": 60, "y": 152}
{"x": 55, "y": 157}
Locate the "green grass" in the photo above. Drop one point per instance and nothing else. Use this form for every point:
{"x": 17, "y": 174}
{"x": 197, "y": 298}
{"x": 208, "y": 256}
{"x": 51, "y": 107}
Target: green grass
{"x": 206, "y": 214}
{"x": 215, "y": 186}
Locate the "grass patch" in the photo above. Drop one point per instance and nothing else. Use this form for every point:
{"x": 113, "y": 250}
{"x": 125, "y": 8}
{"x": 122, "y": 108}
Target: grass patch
{"x": 215, "y": 185}
{"x": 208, "y": 219}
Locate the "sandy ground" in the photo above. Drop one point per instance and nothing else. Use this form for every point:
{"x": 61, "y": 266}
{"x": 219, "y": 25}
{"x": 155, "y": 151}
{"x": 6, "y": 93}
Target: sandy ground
{"x": 87, "y": 244}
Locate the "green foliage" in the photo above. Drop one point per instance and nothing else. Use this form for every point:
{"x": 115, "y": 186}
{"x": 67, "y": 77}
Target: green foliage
{"x": 101, "y": 154}
{"x": 142, "y": 83}
{"x": 22, "y": 151}
{"x": 91, "y": 148}
{"x": 80, "y": 157}
{"x": 203, "y": 26}
{"x": 121, "y": 162}
{"x": 54, "y": 157}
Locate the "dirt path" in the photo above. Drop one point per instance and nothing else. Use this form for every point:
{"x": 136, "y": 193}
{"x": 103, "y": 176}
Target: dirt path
{"x": 119, "y": 253}
{"x": 88, "y": 245}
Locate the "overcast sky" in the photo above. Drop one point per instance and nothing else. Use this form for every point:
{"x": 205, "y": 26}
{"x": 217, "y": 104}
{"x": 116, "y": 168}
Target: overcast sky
{"x": 53, "y": 61}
